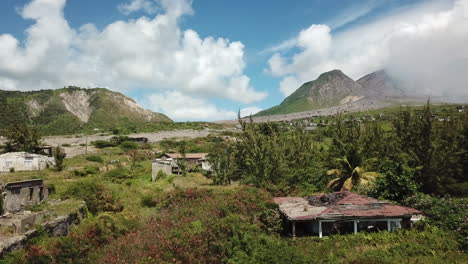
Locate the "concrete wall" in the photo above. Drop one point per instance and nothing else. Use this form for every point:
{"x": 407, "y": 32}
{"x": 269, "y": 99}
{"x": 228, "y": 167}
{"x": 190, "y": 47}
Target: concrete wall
{"x": 16, "y": 196}
{"x": 164, "y": 166}
{"x": 206, "y": 165}
{"x": 21, "y": 161}
{"x": 57, "y": 227}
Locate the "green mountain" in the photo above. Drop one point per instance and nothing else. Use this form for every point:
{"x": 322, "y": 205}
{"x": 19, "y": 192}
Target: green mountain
{"x": 71, "y": 110}
{"x": 334, "y": 88}
{"x": 330, "y": 89}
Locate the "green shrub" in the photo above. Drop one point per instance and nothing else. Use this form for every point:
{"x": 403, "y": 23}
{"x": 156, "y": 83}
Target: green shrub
{"x": 128, "y": 145}
{"x": 457, "y": 189}
{"x": 95, "y": 158}
{"x": 447, "y": 213}
{"x": 91, "y": 170}
{"x": 161, "y": 175}
{"x": 148, "y": 201}
{"x": 79, "y": 173}
{"x": 51, "y": 188}
{"x": 102, "y": 144}
{"x": 88, "y": 170}
{"x": 97, "y": 196}
{"x": 59, "y": 158}
{"x": 118, "y": 175}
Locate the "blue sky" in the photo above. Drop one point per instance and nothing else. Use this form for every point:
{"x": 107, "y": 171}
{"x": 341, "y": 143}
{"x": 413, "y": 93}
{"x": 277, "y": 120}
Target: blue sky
{"x": 204, "y": 60}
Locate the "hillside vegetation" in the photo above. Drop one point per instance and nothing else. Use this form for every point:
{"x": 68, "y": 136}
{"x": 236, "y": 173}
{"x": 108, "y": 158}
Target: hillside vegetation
{"x": 227, "y": 216}
{"x": 71, "y": 110}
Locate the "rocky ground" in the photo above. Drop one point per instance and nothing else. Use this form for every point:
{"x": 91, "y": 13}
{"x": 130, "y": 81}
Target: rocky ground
{"x": 76, "y": 145}
{"x": 356, "y": 106}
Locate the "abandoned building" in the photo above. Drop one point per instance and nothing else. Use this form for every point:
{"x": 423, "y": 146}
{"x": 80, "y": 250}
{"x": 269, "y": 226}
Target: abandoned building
{"x": 15, "y": 197}
{"x": 342, "y": 213}
{"x": 168, "y": 163}
{"x": 23, "y": 161}
{"x": 161, "y": 165}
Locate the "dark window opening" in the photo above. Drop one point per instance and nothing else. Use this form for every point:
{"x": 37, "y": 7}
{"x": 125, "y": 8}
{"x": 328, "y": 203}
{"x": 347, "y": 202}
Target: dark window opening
{"x": 372, "y": 226}
{"x": 15, "y": 191}
{"x": 31, "y": 191}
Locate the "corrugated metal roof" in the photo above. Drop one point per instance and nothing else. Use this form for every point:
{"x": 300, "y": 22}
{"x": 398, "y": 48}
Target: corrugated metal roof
{"x": 339, "y": 205}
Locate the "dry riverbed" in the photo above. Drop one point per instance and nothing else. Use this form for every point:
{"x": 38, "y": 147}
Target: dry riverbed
{"x": 76, "y": 145}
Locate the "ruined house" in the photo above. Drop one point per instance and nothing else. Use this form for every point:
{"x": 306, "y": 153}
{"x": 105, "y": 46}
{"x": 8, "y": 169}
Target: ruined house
{"x": 168, "y": 163}
{"x": 23, "y": 161}
{"x": 342, "y": 213}
{"x": 15, "y": 197}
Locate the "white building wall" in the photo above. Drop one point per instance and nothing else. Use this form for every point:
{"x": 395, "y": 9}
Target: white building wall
{"x": 159, "y": 165}
{"x": 22, "y": 161}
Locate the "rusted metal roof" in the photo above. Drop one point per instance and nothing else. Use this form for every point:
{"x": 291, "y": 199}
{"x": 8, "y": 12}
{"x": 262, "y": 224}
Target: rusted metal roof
{"x": 340, "y": 205}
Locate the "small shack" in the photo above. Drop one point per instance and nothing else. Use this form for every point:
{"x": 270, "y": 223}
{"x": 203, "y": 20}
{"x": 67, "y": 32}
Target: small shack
{"x": 342, "y": 213}
{"x": 15, "y": 196}
{"x": 23, "y": 161}
{"x": 160, "y": 165}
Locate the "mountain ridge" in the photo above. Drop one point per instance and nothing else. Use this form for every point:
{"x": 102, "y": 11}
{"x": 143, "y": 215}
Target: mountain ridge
{"x": 334, "y": 88}
{"x": 71, "y": 109}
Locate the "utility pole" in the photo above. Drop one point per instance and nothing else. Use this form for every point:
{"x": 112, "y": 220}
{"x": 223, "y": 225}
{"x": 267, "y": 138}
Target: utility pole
{"x": 86, "y": 146}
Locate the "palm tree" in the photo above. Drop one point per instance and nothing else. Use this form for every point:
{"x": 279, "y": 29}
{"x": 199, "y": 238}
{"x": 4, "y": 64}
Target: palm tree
{"x": 349, "y": 176}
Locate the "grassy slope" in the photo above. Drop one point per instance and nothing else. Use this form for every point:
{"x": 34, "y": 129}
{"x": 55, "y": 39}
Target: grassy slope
{"x": 55, "y": 119}
{"x": 303, "y": 99}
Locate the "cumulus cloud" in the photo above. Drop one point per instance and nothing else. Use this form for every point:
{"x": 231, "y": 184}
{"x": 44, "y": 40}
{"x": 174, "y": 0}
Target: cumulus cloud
{"x": 148, "y": 52}
{"x": 149, "y": 6}
{"x": 424, "y": 47}
{"x": 181, "y": 107}
{"x": 343, "y": 18}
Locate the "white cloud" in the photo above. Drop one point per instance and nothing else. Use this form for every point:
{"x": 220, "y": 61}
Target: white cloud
{"x": 249, "y": 111}
{"x": 149, "y": 6}
{"x": 289, "y": 84}
{"x": 345, "y": 17}
{"x": 355, "y": 12}
{"x": 285, "y": 45}
{"x": 181, "y": 107}
{"x": 424, "y": 46}
{"x": 152, "y": 53}
{"x": 185, "y": 108}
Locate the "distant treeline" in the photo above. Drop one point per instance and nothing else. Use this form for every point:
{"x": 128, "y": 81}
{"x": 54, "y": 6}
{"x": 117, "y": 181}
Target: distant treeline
{"x": 409, "y": 152}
